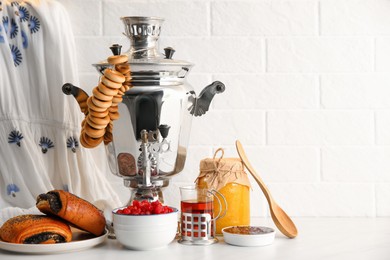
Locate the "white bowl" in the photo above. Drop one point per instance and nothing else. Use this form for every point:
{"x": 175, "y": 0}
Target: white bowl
{"x": 145, "y": 232}
{"x": 248, "y": 235}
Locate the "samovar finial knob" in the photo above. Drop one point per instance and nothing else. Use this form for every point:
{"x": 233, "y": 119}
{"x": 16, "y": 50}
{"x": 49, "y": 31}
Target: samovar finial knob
{"x": 169, "y": 51}
{"x": 116, "y": 49}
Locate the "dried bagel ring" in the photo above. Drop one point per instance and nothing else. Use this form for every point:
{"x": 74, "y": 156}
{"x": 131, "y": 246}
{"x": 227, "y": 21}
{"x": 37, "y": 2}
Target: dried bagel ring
{"x": 123, "y": 89}
{"x": 106, "y": 90}
{"x": 99, "y": 114}
{"x": 92, "y": 106}
{"x": 107, "y": 138}
{"x": 109, "y": 83}
{"x": 117, "y": 99}
{"x": 99, "y": 120}
{"x": 114, "y": 115}
{"x": 114, "y": 75}
{"x": 100, "y": 103}
{"x": 123, "y": 68}
{"x": 83, "y": 142}
{"x": 93, "y": 132}
{"x": 94, "y": 125}
{"x": 113, "y": 109}
{"x": 100, "y": 95}
{"x": 127, "y": 76}
{"x": 110, "y": 126}
{"x": 84, "y": 107}
{"x": 83, "y": 104}
{"x": 117, "y": 59}
{"x": 114, "y": 105}
{"x": 81, "y": 96}
{"x": 128, "y": 85}
{"x": 93, "y": 141}
{"x": 90, "y": 141}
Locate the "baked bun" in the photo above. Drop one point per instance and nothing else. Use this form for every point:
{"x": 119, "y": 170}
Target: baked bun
{"x": 35, "y": 229}
{"x": 73, "y": 209}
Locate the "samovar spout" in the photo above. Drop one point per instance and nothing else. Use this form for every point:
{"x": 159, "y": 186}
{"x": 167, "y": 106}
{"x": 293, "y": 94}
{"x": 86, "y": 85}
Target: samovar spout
{"x": 200, "y": 105}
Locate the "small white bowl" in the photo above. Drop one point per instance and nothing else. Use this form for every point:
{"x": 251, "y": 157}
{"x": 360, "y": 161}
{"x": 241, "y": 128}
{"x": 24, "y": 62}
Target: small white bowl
{"x": 145, "y": 232}
{"x": 248, "y": 235}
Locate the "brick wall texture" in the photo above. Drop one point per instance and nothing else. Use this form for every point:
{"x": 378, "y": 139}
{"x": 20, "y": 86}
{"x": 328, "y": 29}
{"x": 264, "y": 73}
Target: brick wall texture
{"x": 307, "y": 92}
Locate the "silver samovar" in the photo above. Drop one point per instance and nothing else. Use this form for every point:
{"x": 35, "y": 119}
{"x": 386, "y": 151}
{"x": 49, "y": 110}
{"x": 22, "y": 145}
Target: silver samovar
{"x": 150, "y": 138}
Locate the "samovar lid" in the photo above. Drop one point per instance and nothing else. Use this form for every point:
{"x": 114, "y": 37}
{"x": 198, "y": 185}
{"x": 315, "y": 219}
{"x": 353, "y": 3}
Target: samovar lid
{"x": 144, "y": 54}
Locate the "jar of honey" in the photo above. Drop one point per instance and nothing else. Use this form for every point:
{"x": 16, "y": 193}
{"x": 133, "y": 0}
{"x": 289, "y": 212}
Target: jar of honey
{"x": 227, "y": 176}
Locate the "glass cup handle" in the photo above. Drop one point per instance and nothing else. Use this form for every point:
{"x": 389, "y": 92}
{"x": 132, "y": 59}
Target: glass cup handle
{"x": 214, "y": 192}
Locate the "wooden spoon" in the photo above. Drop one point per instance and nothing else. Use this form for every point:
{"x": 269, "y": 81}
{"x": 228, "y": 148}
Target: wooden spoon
{"x": 282, "y": 221}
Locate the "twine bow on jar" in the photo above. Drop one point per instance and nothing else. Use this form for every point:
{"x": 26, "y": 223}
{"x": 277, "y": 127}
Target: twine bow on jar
{"x": 216, "y": 172}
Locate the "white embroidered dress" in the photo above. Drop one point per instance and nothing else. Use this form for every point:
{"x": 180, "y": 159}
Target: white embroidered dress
{"x": 39, "y": 125}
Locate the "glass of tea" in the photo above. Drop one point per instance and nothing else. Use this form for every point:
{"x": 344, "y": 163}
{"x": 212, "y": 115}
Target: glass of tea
{"x": 197, "y": 220}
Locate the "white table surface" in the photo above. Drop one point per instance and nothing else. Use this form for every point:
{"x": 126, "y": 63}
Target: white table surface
{"x": 319, "y": 238}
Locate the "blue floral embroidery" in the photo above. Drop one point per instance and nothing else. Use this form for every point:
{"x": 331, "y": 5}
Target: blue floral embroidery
{"x": 34, "y": 24}
{"x": 45, "y": 143}
{"x": 15, "y": 137}
{"x": 72, "y": 143}
{"x": 16, "y": 55}
{"x": 1, "y": 36}
{"x": 12, "y": 189}
{"x": 5, "y": 24}
{"x": 24, "y": 14}
{"x": 12, "y": 28}
{"x": 25, "y": 39}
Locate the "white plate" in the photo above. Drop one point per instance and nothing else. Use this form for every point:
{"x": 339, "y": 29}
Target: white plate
{"x": 80, "y": 240}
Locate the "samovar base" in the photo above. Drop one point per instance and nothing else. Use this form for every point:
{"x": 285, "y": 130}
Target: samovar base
{"x": 149, "y": 193}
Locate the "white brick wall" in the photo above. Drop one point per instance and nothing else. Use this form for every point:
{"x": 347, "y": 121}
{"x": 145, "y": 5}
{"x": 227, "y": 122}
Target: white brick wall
{"x": 308, "y": 92}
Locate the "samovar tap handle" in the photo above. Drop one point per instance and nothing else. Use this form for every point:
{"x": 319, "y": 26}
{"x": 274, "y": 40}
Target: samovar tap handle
{"x": 164, "y": 130}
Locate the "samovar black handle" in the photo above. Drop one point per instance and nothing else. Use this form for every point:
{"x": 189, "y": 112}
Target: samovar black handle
{"x": 201, "y": 104}
{"x": 80, "y": 95}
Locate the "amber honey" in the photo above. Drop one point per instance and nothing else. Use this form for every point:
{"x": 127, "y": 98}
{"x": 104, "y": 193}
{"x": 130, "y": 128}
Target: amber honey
{"x": 238, "y": 205}
{"x": 238, "y": 212}
{"x": 228, "y": 177}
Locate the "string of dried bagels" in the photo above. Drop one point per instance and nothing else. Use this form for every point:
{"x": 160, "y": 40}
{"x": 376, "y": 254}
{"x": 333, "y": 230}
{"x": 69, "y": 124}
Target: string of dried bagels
{"x": 102, "y": 106}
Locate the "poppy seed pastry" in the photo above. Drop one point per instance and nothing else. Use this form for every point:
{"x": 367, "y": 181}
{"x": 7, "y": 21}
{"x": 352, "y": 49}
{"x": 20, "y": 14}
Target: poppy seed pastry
{"x": 35, "y": 229}
{"x": 76, "y": 211}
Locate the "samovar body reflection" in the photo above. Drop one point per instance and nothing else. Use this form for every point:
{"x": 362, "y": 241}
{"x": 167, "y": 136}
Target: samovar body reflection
{"x": 150, "y": 138}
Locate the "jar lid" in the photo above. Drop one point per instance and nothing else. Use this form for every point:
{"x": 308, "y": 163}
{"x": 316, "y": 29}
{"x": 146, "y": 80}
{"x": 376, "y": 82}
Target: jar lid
{"x": 218, "y": 172}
